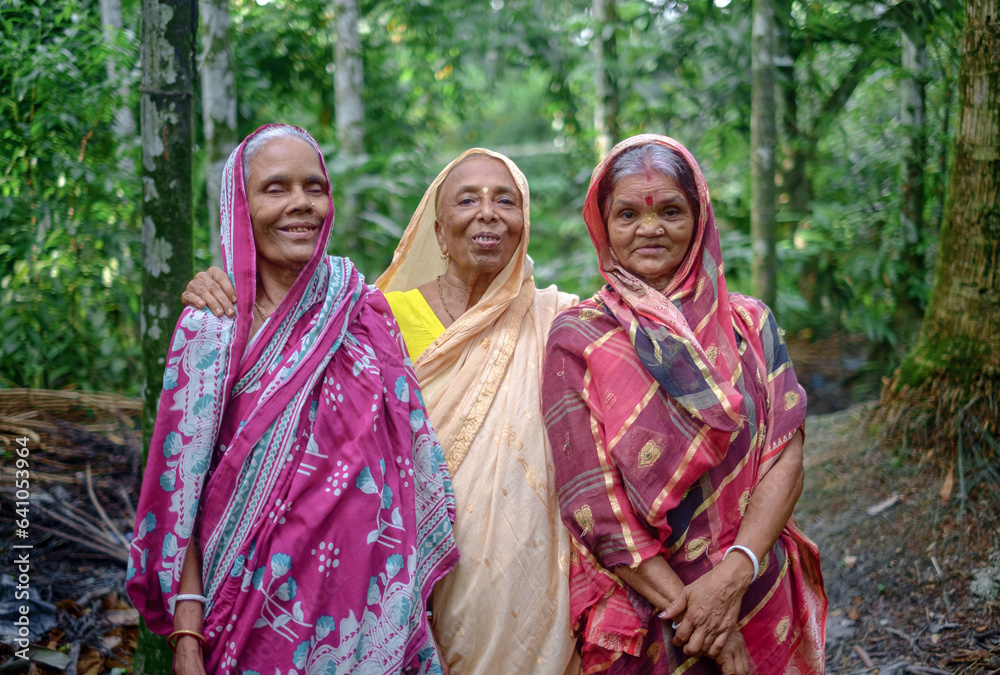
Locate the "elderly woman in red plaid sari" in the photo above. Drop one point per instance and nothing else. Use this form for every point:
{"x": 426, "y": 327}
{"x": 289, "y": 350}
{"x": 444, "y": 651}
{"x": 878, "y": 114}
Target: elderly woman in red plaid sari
{"x": 676, "y": 421}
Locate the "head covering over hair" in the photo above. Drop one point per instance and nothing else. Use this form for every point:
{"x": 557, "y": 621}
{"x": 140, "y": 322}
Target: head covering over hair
{"x": 506, "y": 607}
{"x": 496, "y": 317}
{"x": 302, "y": 453}
{"x": 693, "y": 309}
{"x": 668, "y": 408}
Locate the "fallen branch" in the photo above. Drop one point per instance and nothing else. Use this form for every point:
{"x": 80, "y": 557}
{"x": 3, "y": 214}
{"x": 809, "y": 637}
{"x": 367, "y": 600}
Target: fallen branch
{"x": 926, "y": 670}
{"x": 863, "y": 655}
{"x": 100, "y": 511}
{"x": 113, "y": 553}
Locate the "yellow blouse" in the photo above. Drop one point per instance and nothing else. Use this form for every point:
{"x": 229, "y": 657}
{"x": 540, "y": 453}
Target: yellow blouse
{"x": 417, "y": 321}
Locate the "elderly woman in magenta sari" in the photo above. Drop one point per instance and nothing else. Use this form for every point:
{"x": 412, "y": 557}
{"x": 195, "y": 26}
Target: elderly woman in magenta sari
{"x": 676, "y": 425}
{"x": 296, "y": 510}
{"x": 462, "y": 290}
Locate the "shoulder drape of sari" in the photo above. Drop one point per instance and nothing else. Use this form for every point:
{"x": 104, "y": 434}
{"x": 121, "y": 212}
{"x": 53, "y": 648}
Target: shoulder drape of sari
{"x": 505, "y": 607}
{"x": 303, "y": 468}
{"x": 664, "y": 411}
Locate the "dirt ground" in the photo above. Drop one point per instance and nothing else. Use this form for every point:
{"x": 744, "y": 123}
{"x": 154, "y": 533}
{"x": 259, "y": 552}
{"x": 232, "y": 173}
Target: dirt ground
{"x": 899, "y": 565}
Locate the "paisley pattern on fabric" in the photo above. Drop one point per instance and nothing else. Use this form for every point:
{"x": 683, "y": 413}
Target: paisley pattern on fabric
{"x": 702, "y": 375}
{"x": 302, "y": 465}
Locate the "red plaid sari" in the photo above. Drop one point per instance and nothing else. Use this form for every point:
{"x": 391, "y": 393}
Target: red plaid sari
{"x": 664, "y": 411}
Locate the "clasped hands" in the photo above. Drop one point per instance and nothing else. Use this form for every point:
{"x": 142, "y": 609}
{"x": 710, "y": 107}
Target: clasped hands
{"x": 705, "y": 614}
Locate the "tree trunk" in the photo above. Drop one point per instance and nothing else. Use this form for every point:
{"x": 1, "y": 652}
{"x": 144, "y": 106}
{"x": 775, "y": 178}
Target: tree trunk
{"x": 795, "y": 182}
{"x": 348, "y": 83}
{"x": 953, "y": 372}
{"x": 167, "y": 50}
{"x": 763, "y": 140}
{"x": 218, "y": 107}
{"x": 605, "y": 49}
{"x": 914, "y": 157}
{"x": 124, "y": 126}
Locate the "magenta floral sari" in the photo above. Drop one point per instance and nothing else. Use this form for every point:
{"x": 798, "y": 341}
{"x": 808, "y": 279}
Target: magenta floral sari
{"x": 302, "y": 465}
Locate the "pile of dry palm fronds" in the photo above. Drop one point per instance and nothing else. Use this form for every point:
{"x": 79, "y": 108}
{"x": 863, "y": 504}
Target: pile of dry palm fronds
{"x": 954, "y": 427}
{"x": 83, "y": 457}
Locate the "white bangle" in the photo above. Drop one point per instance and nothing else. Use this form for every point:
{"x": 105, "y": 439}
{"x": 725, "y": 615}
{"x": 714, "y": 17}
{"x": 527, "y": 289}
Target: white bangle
{"x": 750, "y": 554}
{"x": 191, "y": 596}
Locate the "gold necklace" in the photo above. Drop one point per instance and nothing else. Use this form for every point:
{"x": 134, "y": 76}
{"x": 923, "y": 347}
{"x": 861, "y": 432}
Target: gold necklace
{"x": 443, "y": 302}
{"x": 260, "y": 310}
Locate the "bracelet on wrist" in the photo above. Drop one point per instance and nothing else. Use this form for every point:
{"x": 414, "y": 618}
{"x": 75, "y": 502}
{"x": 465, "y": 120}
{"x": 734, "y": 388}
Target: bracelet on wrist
{"x": 197, "y": 597}
{"x": 173, "y": 637}
{"x": 749, "y": 554}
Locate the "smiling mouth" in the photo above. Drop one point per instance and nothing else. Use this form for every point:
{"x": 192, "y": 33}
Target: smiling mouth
{"x": 486, "y": 239}
{"x": 298, "y": 229}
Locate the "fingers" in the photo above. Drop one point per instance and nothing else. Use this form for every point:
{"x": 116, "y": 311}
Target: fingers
{"x": 734, "y": 660}
{"x": 736, "y": 664}
{"x": 741, "y": 663}
{"x": 700, "y": 640}
{"x": 222, "y": 279}
{"x": 676, "y": 608}
{"x": 716, "y": 647}
{"x": 208, "y": 290}
{"x": 693, "y": 646}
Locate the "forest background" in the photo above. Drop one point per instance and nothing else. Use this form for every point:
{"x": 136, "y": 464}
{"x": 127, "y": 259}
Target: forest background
{"x": 852, "y": 149}
{"x": 860, "y": 178}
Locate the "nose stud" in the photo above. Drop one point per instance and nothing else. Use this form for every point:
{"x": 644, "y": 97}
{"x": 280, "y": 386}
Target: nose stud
{"x": 662, "y": 231}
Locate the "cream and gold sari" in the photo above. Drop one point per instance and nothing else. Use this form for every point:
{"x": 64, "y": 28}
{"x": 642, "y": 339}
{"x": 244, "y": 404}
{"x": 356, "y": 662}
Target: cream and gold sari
{"x": 505, "y": 607}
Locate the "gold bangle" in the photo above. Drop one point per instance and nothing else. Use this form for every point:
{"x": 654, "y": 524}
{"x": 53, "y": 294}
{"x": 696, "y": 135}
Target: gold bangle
{"x": 172, "y": 638}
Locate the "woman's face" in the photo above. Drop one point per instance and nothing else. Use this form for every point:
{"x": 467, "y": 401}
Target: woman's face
{"x": 288, "y": 199}
{"x": 480, "y": 217}
{"x": 650, "y": 226}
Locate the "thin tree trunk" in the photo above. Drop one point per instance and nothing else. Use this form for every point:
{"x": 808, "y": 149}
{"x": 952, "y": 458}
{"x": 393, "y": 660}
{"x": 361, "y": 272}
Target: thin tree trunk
{"x": 763, "y": 140}
{"x": 167, "y": 49}
{"x": 795, "y": 182}
{"x": 914, "y": 151}
{"x": 218, "y": 106}
{"x": 348, "y": 83}
{"x": 124, "y": 125}
{"x": 605, "y": 49}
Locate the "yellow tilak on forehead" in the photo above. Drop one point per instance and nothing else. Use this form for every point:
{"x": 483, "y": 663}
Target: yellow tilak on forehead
{"x": 485, "y": 190}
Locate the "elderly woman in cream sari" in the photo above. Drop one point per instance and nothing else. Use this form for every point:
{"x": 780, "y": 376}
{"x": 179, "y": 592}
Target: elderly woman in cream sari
{"x": 462, "y": 290}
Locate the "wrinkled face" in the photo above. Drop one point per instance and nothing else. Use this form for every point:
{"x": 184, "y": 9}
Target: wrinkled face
{"x": 650, "y": 226}
{"x": 480, "y": 217}
{"x": 288, "y": 200}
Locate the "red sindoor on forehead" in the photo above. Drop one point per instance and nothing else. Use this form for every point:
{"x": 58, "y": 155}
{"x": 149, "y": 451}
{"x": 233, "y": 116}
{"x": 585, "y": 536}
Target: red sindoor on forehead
{"x": 649, "y": 179}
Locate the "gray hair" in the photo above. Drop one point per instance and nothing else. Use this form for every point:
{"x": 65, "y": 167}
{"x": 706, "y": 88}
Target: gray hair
{"x": 257, "y": 143}
{"x": 643, "y": 159}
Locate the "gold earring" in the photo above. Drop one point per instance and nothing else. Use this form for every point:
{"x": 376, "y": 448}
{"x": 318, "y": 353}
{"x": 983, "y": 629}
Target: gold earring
{"x": 444, "y": 256}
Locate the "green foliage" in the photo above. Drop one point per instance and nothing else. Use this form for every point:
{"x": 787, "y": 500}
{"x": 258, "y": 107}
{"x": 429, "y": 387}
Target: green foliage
{"x": 848, "y": 256}
{"x": 439, "y": 77}
{"x": 68, "y": 300}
